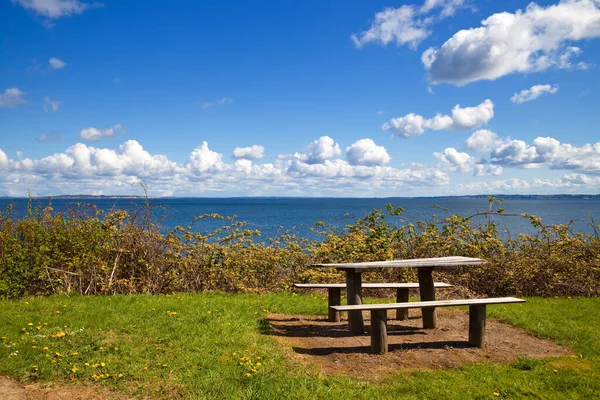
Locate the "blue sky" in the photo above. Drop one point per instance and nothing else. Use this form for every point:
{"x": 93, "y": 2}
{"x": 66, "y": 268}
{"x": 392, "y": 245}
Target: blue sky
{"x": 299, "y": 98}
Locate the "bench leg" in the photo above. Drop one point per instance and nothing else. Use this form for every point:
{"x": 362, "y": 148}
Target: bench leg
{"x": 402, "y": 297}
{"x": 427, "y": 292}
{"x": 334, "y": 299}
{"x": 379, "y": 338}
{"x": 354, "y": 292}
{"x": 477, "y": 326}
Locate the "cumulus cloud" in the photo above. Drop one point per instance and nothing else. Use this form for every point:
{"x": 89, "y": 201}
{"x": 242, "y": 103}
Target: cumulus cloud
{"x": 222, "y": 102}
{"x": 54, "y": 9}
{"x": 11, "y": 98}
{"x": 533, "y": 93}
{"x": 51, "y": 105}
{"x": 455, "y": 160}
{"x": 95, "y": 134}
{"x": 56, "y": 63}
{"x": 527, "y": 41}
{"x": 542, "y": 151}
{"x": 461, "y": 119}
{"x": 573, "y": 183}
{"x": 249, "y": 153}
{"x": 482, "y": 141}
{"x": 83, "y": 168}
{"x": 407, "y": 24}
{"x": 203, "y": 159}
{"x": 322, "y": 149}
{"x": 366, "y": 152}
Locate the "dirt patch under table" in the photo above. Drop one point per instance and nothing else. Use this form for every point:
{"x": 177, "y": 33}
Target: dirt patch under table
{"x": 329, "y": 345}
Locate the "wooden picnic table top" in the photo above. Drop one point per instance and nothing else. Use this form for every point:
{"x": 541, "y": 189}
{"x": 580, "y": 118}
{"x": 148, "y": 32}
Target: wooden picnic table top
{"x": 452, "y": 261}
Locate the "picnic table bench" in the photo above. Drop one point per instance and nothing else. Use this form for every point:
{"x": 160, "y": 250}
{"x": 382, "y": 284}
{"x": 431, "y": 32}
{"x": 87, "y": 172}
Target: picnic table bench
{"x": 424, "y": 267}
{"x": 477, "y": 314}
{"x": 334, "y": 294}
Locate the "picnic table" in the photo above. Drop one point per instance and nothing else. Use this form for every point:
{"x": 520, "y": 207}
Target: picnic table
{"x": 425, "y": 267}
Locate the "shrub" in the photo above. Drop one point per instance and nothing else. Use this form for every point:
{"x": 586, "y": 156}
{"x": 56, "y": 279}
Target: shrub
{"x": 90, "y": 251}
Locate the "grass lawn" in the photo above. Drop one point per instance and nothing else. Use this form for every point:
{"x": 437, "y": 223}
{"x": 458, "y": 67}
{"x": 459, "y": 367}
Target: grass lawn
{"x": 210, "y": 346}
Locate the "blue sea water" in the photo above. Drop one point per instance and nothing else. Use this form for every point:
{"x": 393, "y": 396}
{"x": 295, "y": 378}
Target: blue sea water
{"x": 269, "y": 214}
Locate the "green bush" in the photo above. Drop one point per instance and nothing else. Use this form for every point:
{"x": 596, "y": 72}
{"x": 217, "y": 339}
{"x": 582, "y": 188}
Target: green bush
{"x": 89, "y": 251}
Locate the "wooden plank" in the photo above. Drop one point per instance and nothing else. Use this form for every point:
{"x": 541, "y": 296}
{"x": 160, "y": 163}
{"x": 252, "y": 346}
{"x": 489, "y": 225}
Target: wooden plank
{"x": 402, "y": 297}
{"x": 379, "y": 337}
{"x": 354, "y": 292}
{"x": 476, "y": 325}
{"x": 334, "y": 298}
{"x": 427, "y": 293}
{"x": 383, "y": 285}
{"x": 426, "y": 304}
{"x": 412, "y": 263}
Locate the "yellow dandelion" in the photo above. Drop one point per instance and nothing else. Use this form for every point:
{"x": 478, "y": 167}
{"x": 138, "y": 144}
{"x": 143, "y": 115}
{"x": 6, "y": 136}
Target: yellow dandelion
{"x": 258, "y": 364}
{"x": 102, "y": 364}
{"x": 248, "y": 374}
{"x": 116, "y": 349}
{"x": 87, "y": 364}
{"x": 120, "y": 375}
{"x": 556, "y": 371}
{"x": 496, "y": 394}
{"x": 30, "y": 324}
{"x": 74, "y": 369}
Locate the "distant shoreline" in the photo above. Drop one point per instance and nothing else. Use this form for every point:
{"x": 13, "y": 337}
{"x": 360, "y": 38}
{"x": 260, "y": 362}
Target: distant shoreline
{"x": 477, "y": 196}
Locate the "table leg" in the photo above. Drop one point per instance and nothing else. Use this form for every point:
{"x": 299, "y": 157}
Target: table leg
{"x": 402, "y": 297}
{"x": 354, "y": 292}
{"x": 334, "y": 299}
{"x": 427, "y": 292}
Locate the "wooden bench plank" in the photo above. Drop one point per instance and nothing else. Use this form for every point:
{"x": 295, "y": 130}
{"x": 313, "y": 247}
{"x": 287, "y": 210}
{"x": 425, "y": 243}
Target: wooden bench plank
{"x": 383, "y": 285}
{"x": 477, "y": 315}
{"x": 451, "y": 261}
{"x": 427, "y": 304}
{"x": 333, "y": 289}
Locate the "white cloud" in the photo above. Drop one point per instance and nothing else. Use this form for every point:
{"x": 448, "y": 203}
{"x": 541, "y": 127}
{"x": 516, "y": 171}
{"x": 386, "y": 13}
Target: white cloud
{"x": 87, "y": 169}
{"x": 533, "y": 93}
{"x": 366, "y": 152}
{"x": 95, "y": 134}
{"x": 11, "y": 98}
{"x": 483, "y": 141}
{"x": 203, "y": 159}
{"x": 542, "y": 151}
{"x": 455, "y": 160}
{"x": 3, "y": 159}
{"x": 56, "y": 63}
{"x": 461, "y": 119}
{"x": 407, "y": 24}
{"x": 55, "y": 9}
{"x": 319, "y": 151}
{"x": 249, "y": 153}
{"x": 568, "y": 183}
{"x": 488, "y": 170}
{"x": 51, "y": 105}
{"x": 221, "y": 102}
{"x": 527, "y": 41}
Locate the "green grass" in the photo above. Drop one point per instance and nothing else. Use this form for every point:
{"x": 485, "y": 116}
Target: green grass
{"x": 197, "y": 352}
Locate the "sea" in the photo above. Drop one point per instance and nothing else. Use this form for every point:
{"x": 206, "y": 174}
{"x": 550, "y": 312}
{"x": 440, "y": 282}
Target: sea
{"x": 271, "y": 215}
